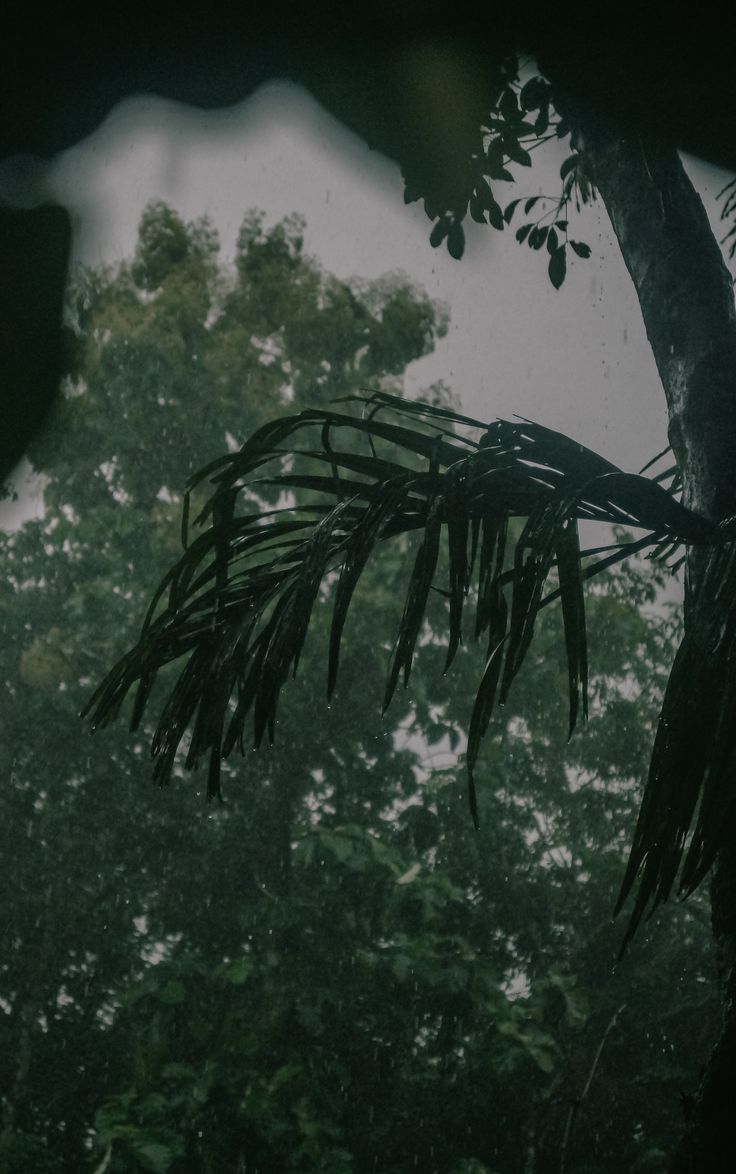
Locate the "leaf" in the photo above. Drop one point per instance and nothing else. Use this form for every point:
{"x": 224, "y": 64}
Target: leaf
{"x": 439, "y": 232}
{"x": 568, "y": 165}
{"x": 432, "y": 207}
{"x": 581, "y": 249}
{"x": 523, "y": 232}
{"x": 486, "y": 198}
{"x": 508, "y": 105}
{"x": 531, "y": 94}
{"x": 407, "y": 407}
{"x": 509, "y": 210}
{"x": 484, "y": 704}
{"x": 416, "y": 601}
{"x": 185, "y": 521}
{"x": 495, "y": 216}
{"x": 154, "y": 1156}
{"x": 495, "y": 170}
{"x": 242, "y": 593}
{"x": 410, "y": 875}
{"x": 411, "y": 192}
{"x": 537, "y": 237}
{"x": 529, "y": 204}
{"x": 538, "y": 1044}
{"x": 172, "y": 993}
{"x": 476, "y": 210}
{"x": 237, "y": 971}
{"x": 490, "y": 571}
{"x": 515, "y": 151}
{"x": 577, "y": 1005}
{"x": 692, "y": 760}
{"x": 557, "y": 267}
{"x": 360, "y": 544}
{"x": 532, "y": 561}
{"x": 291, "y": 623}
{"x": 457, "y": 521}
{"x": 552, "y": 243}
{"x": 541, "y": 124}
{"x": 569, "y": 571}
{"x": 342, "y": 846}
{"x": 456, "y": 240}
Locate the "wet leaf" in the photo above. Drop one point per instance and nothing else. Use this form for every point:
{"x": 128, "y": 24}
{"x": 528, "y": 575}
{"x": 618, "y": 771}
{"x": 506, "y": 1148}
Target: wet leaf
{"x": 241, "y": 595}
{"x": 557, "y": 267}
{"x": 439, "y": 232}
{"x": 581, "y": 249}
{"x": 456, "y": 240}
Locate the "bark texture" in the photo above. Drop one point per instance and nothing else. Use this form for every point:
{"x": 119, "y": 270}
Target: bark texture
{"x": 687, "y": 301}
{"x": 686, "y": 298}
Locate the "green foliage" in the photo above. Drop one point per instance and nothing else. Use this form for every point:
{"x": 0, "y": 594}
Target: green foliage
{"x": 126, "y": 435}
{"x": 521, "y": 120}
{"x": 240, "y": 598}
{"x": 231, "y": 350}
{"x": 132, "y": 1131}
{"x": 20, "y": 1153}
{"x": 163, "y": 246}
{"x": 330, "y": 971}
{"x": 687, "y": 804}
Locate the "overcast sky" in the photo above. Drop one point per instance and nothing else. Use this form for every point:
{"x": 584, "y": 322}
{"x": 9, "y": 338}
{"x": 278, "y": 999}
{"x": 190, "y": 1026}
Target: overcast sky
{"x": 576, "y": 359}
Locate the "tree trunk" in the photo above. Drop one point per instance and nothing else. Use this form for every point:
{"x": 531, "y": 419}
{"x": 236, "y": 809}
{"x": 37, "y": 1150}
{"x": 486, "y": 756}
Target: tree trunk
{"x": 687, "y": 302}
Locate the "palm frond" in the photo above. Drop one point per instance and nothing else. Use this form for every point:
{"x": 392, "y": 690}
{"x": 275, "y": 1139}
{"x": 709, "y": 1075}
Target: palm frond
{"x": 238, "y": 602}
{"x": 689, "y": 802}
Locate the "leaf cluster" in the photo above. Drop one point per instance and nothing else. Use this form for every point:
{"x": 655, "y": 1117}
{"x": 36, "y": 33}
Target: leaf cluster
{"x": 520, "y": 122}
{"x": 689, "y": 803}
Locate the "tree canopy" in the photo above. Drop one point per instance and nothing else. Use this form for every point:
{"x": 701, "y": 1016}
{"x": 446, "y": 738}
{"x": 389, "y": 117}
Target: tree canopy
{"x": 329, "y": 971}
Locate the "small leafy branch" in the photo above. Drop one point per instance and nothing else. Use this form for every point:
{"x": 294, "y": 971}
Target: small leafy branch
{"x": 521, "y": 122}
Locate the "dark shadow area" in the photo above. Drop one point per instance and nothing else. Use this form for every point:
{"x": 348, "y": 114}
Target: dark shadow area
{"x": 374, "y": 69}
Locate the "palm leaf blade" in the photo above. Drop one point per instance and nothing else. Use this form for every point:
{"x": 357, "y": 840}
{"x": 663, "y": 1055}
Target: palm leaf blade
{"x": 569, "y": 571}
{"x": 238, "y": 601}
{"x": 416, "y": 601}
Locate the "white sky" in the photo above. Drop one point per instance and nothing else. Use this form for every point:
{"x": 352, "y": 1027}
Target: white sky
{"x": 576, "y": 359}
